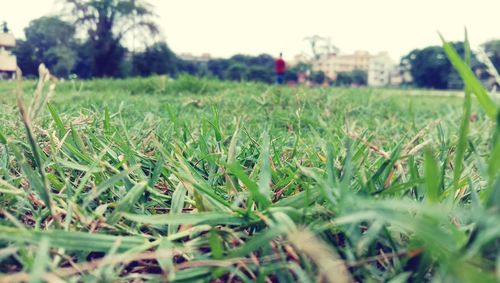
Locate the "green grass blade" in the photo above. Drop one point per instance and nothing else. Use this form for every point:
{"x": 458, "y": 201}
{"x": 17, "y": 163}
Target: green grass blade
{"x": 178, "y": 199}
{"x": 265, "y": 173}
{"x": 156, "y": 173}
{"x": 127, "y": 202}
{"x": 36, "y": 182}
{"x": 3, "y": 140}
{"x": 57, "y": 119}
{"x": 258, "y": 241}
{"x": 107, "y": 122}
{"x": 470, "y": 80}
{"x": 216, "y": 246}
{"x": 210, "y": 218}
{"x": 69, "y": 240}
{"x": 41, "y": 261}
{"x": 251, "y": 186}
{"x": 432, "y": 177}
{"x": 464, "y": 126}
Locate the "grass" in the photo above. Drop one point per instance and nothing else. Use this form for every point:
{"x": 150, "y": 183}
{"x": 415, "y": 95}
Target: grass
{"x": 199, "y": 180}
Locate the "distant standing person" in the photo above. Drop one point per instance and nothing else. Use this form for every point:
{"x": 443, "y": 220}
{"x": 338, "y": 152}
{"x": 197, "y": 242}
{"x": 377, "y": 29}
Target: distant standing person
{"x": 280, "y": 69}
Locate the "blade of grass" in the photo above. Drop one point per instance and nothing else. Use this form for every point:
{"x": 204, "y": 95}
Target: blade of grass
{"x": 69, "y": 240}
{"x": 470, "y": 80}
{"x": 464, "y": 126}
{"x": 41, "y": 261}
{"x": 431, "y": 176}
{"x": 127, "y": 202}
{"x": 210, "y": 218}
{"x": 57, "y": 119}
{"x": 265, "y": 173}
{"x": 177, "y": 205}
{"x": 45, "y": 193}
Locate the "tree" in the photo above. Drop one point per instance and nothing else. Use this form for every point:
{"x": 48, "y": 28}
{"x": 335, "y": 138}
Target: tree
{"x": 108, "y": 22}
{"x": 260, "y": 73}
{"x": 243, "y": 67}
{"x": 216, "y": 67}
{"x": 343, "y": 78}
{"x": 25, "y": 57}
{"x": 5, "y": 27}
{"x": 84, "y": 64}
{"x": 291, "y": 74}
{"x": 236, "y": 72}
{"x": 318, "y": 77}
{"x": 261, "y": 68}
{"x": 492, "y": 49}
{"x": 51, "y": 41}
{"x": 191, "y": 67}
{"x": 357, "y": 77}
{"x": 321, "y": 46}
{"x": 156, "y": 59}
{"x": 430, "y": 68}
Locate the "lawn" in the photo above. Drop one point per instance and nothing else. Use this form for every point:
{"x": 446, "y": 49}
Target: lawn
{"x": 200, "y": 180}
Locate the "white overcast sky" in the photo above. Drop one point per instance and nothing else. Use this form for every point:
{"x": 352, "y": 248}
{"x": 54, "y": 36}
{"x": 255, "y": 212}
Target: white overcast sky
{"x": 226, "y": 27}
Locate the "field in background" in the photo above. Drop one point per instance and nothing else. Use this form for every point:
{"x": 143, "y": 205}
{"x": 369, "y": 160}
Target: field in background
{"x": 199, "y": 179}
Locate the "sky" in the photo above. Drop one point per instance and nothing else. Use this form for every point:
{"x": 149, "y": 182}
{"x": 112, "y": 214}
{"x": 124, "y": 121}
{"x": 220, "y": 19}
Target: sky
{"x": 226, "y": 27}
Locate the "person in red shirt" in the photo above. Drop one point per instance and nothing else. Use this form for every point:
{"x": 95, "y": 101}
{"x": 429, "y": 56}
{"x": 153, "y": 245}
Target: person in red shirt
{"x": 280, "y": 69}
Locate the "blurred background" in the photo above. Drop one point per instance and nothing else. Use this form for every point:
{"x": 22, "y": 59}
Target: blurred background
{"x": 354, "y": 43}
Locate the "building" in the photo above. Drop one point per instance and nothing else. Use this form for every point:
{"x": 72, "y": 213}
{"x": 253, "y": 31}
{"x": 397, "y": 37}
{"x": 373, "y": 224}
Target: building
{"x": 299, "y": 58}
{"x": 332, "y": 64}
{"x": 400, "y": 76}
{"x": 8, "y": 62}
{"x": 380, "y": 69}
{"x": 205, "y": 57}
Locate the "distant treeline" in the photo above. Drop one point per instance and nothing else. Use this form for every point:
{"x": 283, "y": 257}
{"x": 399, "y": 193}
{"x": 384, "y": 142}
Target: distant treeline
{"x": 54, "y": 42}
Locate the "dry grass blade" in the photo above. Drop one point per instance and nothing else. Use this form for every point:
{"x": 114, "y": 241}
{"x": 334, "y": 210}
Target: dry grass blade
{"x": 328, "y": 262}
{"x": 40, "y": 98}
{"x": 26, "y": 119}
{"x": 7, "y": 188}
{"x": 85, "y": 267}
{"x": 418, "y": 147}
{"x": 421, "y": 133}
{"x": 124, "y": 259}
{"x": 374, "y": 148}
{"x": 490, "y": 68}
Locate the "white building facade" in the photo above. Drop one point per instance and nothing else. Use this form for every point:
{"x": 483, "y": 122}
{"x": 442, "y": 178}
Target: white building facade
{"x": 8, "y": 62}
{"x": 332, "y": 64}
{"x": 380, "y": 70}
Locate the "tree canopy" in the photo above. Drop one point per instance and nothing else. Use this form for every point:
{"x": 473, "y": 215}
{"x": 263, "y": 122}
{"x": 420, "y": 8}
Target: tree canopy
{"x": 107, "y": 23}
{"x": 492, "y": 49}
{"x": 430, "y": 68}
{"x": 157, "y": 59}
{"x": 51, "y": 41}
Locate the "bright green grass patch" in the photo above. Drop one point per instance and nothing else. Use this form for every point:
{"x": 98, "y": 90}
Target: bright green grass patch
{"x": 194, "y": 180}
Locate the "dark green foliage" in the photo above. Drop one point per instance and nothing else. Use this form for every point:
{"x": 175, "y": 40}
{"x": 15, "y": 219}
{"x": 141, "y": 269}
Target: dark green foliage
{"x": 492, "y": 49}
{"x": 318, "y": 77}
{"x": 51, "y": 41}
{"x": 108, "y": 23}
{"x": 356, "y": 77}
{"x": 5, "y": 27}
{"x": 430, "y": 68}
{"x": 241, "y": 67}
{"x": 157, "y": 59}
{"x": 217, "y": 67}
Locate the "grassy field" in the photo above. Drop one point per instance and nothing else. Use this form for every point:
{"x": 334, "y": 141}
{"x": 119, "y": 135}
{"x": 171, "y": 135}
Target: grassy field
{"x": 199, "y": 180}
